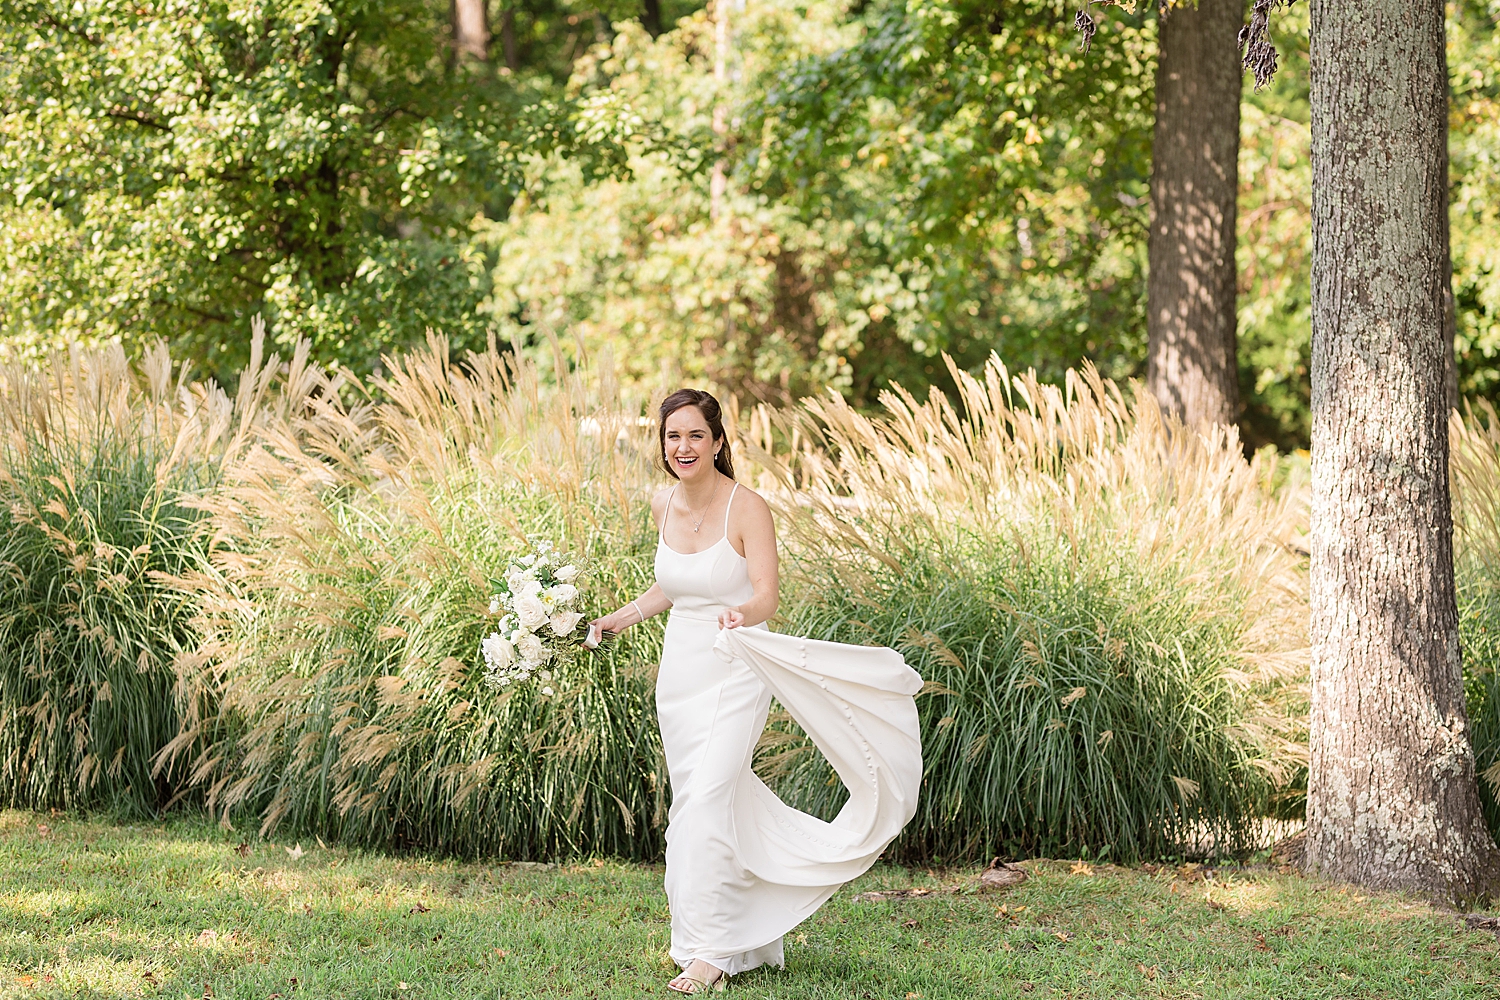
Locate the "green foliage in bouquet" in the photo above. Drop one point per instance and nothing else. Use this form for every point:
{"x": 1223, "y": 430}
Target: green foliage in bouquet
{"x": 99, "y": 463}
{"x": 1106, "y": 610}
{"x": 350, "y": 593}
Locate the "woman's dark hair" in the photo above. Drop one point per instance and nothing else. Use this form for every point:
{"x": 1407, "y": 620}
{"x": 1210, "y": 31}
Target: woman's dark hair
{"x": 712, "y": 414}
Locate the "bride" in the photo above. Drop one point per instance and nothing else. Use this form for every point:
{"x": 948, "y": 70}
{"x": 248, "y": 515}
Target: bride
{"x": 744, "y": 868}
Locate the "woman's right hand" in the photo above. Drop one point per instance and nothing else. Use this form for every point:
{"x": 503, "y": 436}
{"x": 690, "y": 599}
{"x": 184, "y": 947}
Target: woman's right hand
{"x": 610, "y": 624}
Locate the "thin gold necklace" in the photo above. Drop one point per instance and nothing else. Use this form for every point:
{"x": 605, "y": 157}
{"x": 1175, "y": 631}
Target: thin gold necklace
{"x": 711, "y": 497}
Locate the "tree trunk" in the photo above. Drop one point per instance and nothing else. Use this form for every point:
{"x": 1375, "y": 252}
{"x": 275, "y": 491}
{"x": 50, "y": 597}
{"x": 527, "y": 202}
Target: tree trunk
{"x": 508, "y": 45}
{"x": 718, "y": 181}
{"x": 651, "y": 17}
{"x": 471, "y": 32}
{"x": 1190, "y": 323}
{"x": 1392, "y": 797}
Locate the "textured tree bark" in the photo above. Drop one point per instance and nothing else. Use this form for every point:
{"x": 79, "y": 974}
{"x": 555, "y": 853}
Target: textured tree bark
{"x": 1190, "y": 323}
{"x": 1450, "y": 332}
{"x": 471, "y": 32}
{"x": 1392, "y": 795}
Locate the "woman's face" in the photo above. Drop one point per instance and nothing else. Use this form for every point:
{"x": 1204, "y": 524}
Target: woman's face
{"x": 690, "y": 445}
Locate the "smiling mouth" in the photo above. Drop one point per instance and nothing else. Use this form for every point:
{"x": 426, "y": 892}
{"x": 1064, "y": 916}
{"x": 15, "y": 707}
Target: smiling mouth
{"x": 687, "y": 461}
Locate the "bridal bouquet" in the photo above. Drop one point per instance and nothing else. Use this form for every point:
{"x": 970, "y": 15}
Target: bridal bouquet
{"x": 539, "y": 622}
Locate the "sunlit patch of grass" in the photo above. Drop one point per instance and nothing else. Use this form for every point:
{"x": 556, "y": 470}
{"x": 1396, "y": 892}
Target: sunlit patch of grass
{"x": 47, "y": 902}
{"x": 174, "y": 911}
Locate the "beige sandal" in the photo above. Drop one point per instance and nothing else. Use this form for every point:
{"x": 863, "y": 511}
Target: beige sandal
{"x": 692, "y": 984}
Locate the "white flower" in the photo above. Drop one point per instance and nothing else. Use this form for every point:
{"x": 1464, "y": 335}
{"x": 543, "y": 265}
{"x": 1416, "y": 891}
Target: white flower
{"x": 494, "y": 605}
{"x": 567, "y": 573}
{"x": 564, "y": 622}
{"x": 545, "y": 675}
{"x": 533, "y": 652}
{"x": 498, "y": 653}
{"x": 544, "y": 546}
{"x": 531, "y": 611}
{"x": 563, "y": 593}
{"x": 528, "y": 588}
{"x": 547, "y": 691}
{"x": 527, "y": 560}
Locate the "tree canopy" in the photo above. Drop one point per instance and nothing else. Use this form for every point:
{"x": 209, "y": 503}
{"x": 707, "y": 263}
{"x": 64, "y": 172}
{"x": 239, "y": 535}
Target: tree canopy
{"x": 905, "y": 178}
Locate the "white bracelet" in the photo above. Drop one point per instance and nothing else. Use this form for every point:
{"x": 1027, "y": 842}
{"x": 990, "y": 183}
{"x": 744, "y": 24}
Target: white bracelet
{"x": 638, "y": 611}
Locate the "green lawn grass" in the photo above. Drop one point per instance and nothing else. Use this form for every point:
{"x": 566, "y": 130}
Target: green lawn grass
{"x": 182, "y": 910}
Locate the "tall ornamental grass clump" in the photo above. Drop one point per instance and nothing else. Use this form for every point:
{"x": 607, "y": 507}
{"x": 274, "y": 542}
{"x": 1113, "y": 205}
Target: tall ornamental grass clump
{"x": 343, "y": 613}
{"x": 99, "y": 462}
{"x": 1475, "y": 473}
{"x": 1107, "y": 610}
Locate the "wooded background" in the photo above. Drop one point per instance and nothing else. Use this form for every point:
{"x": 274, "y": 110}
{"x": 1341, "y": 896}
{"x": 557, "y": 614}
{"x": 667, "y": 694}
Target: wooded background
{"x": 769, "y": 198}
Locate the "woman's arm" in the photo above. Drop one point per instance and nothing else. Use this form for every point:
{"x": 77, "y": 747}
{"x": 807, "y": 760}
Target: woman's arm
{"x": 652, "y": 602}
{"x": 756, "y": 531}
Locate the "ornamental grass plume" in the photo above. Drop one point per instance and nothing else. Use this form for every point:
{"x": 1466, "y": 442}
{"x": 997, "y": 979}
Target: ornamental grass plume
{"x": 99, "y": 463}
{"x": 1475, "y": 473}
{"x": 348, "y": 597}
{"x": 1107, "y": 608}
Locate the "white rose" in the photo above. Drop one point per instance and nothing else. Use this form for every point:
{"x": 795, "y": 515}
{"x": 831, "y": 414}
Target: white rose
{"x": 528, "y": 588}
{"x": 568, "y": 573}
{"x": 545, "y": 675}
{"x": 564, "y": 622}
{"x": 494, "y": 605}
{"x": 498, "y": 653}
{"x": 531, "y": 611}
{"x": 527, "y": 560}
{"x": 533, "y": 652}
{"x": 563, "y": 593}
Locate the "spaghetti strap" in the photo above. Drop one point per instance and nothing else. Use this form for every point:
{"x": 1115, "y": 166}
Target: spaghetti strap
{"x": 727, "y": 506}
{"x": 661, "y": 532}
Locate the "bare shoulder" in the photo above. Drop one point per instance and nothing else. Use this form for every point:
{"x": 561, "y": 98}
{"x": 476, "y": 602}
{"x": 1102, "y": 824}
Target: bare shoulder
{"x": 750, "y": 507}
{"x": 659, "y": 503}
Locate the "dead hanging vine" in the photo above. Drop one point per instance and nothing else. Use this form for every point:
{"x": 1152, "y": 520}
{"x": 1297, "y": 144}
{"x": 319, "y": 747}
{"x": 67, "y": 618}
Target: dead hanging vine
{"x": 1257, "y": 53}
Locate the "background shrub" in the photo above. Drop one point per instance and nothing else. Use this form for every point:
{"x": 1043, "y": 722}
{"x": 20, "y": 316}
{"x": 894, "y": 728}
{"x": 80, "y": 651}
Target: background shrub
{"x": 98, "y": 463}
{"x": 1106, "y": 609}
{"x": 349, "y": 595}
{"x": 1475, "y": 471}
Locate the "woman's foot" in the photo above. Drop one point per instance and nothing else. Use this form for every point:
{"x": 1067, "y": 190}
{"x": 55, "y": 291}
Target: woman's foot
{"x": 698, "y": 977}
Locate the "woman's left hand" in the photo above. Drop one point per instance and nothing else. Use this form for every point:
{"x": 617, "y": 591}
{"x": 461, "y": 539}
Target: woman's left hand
{"x": 731, "y": 618}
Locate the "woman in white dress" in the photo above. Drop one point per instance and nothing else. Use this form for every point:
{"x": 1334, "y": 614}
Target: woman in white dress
{"x": 743, "y": 868}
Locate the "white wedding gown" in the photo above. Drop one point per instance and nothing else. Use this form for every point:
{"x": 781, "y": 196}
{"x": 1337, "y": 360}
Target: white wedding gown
{"x": 743, "y": 867}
